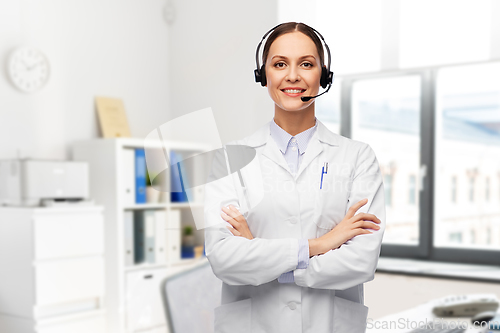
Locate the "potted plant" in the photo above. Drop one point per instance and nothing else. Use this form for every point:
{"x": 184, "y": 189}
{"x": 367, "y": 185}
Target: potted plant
{"x": 188, "y": 242}
{"x": 152, "y": 194}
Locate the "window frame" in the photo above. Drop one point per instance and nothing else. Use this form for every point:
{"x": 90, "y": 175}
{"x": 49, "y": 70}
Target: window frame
{"x": 425, "y": 248}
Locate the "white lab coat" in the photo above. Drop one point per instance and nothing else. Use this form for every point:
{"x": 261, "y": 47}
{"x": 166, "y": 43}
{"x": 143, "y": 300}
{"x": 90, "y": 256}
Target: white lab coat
{"x": 280, "y": 209}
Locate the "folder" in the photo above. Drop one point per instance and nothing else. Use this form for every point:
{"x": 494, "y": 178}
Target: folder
{"x": 149, "y": 219}
{"x": 161, "y": 236}
{"x": 139, "y": 237}
{"x": 129, "y": 237}
{"x": 140, "y": 176}
{"x": 128, "y": 180}
{"x": 178, "y": 193}
{"x": 174, "y": 235}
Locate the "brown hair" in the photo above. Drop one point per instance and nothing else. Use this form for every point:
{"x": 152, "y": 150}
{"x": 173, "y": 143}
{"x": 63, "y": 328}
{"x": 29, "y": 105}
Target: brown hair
{"x": 291, "y": 27}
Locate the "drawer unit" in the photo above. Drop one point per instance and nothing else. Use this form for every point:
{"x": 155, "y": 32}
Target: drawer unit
{"x": 69, "y": 280}
{"x": 54, "y": 280}
{"x": 66, "y": 235}
{"x": 143, "y": 298}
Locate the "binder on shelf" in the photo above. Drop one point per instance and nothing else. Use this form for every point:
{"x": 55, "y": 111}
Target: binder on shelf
{"x": 139, "y": 237}
{"x": 149, "y": 249}
{"x": 160, "y": 235}
{"x": 177, "y": 186}
{"x": 128, "y": 181}
{"x": 140, "y": 176}
{"x": 173, "y": 233}
{"x": 129, "y": 237}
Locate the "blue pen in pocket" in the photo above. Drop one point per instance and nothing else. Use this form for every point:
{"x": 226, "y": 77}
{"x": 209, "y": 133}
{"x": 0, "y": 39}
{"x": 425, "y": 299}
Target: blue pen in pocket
{"x": 323, "y": 171}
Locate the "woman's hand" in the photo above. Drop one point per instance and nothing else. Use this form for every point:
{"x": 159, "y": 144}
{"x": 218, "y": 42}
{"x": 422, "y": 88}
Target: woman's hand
{"x": 234, "y": 217}
{"x": 351, "y": 226}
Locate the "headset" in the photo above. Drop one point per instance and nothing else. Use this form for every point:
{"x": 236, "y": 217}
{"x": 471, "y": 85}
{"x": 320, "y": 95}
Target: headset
{"x": 327, "y": 75}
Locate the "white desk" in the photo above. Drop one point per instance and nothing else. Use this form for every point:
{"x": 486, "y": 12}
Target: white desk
{"x": 409, "y": 320}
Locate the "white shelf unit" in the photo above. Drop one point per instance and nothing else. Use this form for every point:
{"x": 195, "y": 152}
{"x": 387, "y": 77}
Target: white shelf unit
{"x": 52, "y": 270}
{"x": 133, "y": 290}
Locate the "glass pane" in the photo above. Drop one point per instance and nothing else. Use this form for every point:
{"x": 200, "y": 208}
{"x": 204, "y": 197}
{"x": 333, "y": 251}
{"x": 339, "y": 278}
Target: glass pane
{"x": 386, "y": 115}
{"x": 327, "y": 107}
{"x": 467, "y": 201}
{"x": 453, "y": 31}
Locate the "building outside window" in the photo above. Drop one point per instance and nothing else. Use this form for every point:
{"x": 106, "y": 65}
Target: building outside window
{"x": 455, "y": 237}
{"x": 388, "y": 189}
{"x": 487, "y": 189}
{"x": 454, "y": 189}
{"x": 412, "y": 190}
{"x": 471, "y": 188}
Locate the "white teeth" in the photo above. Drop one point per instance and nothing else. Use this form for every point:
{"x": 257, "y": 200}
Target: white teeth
{"x": 293, "y": 91}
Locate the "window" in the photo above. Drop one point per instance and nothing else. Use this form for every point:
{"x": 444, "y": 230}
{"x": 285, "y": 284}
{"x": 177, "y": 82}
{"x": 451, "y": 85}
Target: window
{"x": 471, "y": 188}
{"x": 395, "y": 113}
{"x": 455, "y": 237}
{"x": 487, "y": 189}
{"x": 412, "y": 188}
{"x": 386, "y": 115}
{"x": 388, "y": 189}
{"x": 467, "y": 119}
{"x": 454, "y": 189}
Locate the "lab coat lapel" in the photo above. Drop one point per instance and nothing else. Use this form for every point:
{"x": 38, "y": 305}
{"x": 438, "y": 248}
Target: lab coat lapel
{"x": 313, "y": 149}
{"x": 272, "y": 151}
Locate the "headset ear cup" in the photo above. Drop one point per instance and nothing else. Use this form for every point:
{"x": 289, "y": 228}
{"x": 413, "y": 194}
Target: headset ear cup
{"x": 263, "y": 78}
{"x": 324, "y": 77}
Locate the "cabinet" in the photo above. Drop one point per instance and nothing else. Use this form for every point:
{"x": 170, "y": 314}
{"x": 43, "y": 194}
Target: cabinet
{"x": 133, "y": 299}
{"x": 52, "y": 270}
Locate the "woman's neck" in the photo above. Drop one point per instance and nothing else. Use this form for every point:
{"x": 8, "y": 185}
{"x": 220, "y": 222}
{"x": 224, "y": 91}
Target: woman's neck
{"x": 294, "y": 122}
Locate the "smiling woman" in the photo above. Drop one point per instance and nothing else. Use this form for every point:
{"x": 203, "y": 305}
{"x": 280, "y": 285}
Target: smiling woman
{"x": 291, "y": 74}
{"x": 285, "y": 238}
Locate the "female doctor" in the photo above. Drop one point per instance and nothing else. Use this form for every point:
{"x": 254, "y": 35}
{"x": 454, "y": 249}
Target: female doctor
{"x": 295, "y": 233}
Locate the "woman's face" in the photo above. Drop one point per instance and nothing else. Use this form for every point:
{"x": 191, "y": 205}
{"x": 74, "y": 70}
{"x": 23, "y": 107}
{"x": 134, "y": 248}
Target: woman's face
{"x": 293, "y": 70}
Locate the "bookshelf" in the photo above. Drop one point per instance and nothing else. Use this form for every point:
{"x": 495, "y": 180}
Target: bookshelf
{"x": 133, "y": 299}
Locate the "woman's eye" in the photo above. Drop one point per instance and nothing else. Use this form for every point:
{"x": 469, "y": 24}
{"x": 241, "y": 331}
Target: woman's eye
{"x": 307, "y": 64}
{"x": 279, "y": 64}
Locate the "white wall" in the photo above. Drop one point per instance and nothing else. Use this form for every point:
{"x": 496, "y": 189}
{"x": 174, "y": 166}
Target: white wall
{"x": 212, "y": 58}
{"x": 108, "y": 48}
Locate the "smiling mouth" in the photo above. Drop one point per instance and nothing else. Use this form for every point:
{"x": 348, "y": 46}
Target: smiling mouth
{"x": 293, "y": 91}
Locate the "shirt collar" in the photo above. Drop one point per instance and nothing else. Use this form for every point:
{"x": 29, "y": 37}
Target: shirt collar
{"x": 283, "y": 138}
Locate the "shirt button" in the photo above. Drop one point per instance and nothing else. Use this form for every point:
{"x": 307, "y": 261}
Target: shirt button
{"x": 294, "y": 140}
{"x": 294, "y": 148}
{"x": 292, "y": 305}
{"x": 293, "y": 220}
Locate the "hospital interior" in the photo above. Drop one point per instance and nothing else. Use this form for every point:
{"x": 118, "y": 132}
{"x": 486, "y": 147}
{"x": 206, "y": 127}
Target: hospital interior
{"x": 106, "y": 105}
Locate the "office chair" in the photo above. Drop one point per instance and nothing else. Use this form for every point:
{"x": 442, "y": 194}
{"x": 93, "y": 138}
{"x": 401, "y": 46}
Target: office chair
{"x": 190, "y": 297}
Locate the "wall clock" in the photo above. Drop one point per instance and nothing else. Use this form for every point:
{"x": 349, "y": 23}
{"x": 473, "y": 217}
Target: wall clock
{"x": 28, "y": 69}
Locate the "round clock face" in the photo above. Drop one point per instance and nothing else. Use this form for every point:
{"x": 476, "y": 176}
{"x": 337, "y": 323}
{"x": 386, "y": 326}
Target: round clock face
{"x": 28, "y": 69}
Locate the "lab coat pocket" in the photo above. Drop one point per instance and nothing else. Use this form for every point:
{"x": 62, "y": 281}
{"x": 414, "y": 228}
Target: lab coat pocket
{"x": 349, "y": 316}
{"x": 331, "y": 201}
{"x": 234, "y": 317}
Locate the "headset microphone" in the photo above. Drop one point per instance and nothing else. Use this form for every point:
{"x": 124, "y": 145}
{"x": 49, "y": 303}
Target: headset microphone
{"x": 308, "y": 98}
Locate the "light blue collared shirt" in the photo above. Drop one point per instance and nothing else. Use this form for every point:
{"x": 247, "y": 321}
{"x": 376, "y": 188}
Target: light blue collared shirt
{"x": 293, "y": 148}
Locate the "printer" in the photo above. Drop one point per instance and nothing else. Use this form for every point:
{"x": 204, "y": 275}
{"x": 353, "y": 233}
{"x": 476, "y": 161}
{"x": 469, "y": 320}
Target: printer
{"x": 26, "y": 182}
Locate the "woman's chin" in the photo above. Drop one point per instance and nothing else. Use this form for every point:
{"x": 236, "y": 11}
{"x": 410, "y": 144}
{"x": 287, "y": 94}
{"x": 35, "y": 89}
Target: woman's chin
{"x": 294, "y": 107}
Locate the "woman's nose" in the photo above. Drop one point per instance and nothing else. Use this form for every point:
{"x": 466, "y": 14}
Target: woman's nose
{"x": 293, "y": 75}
